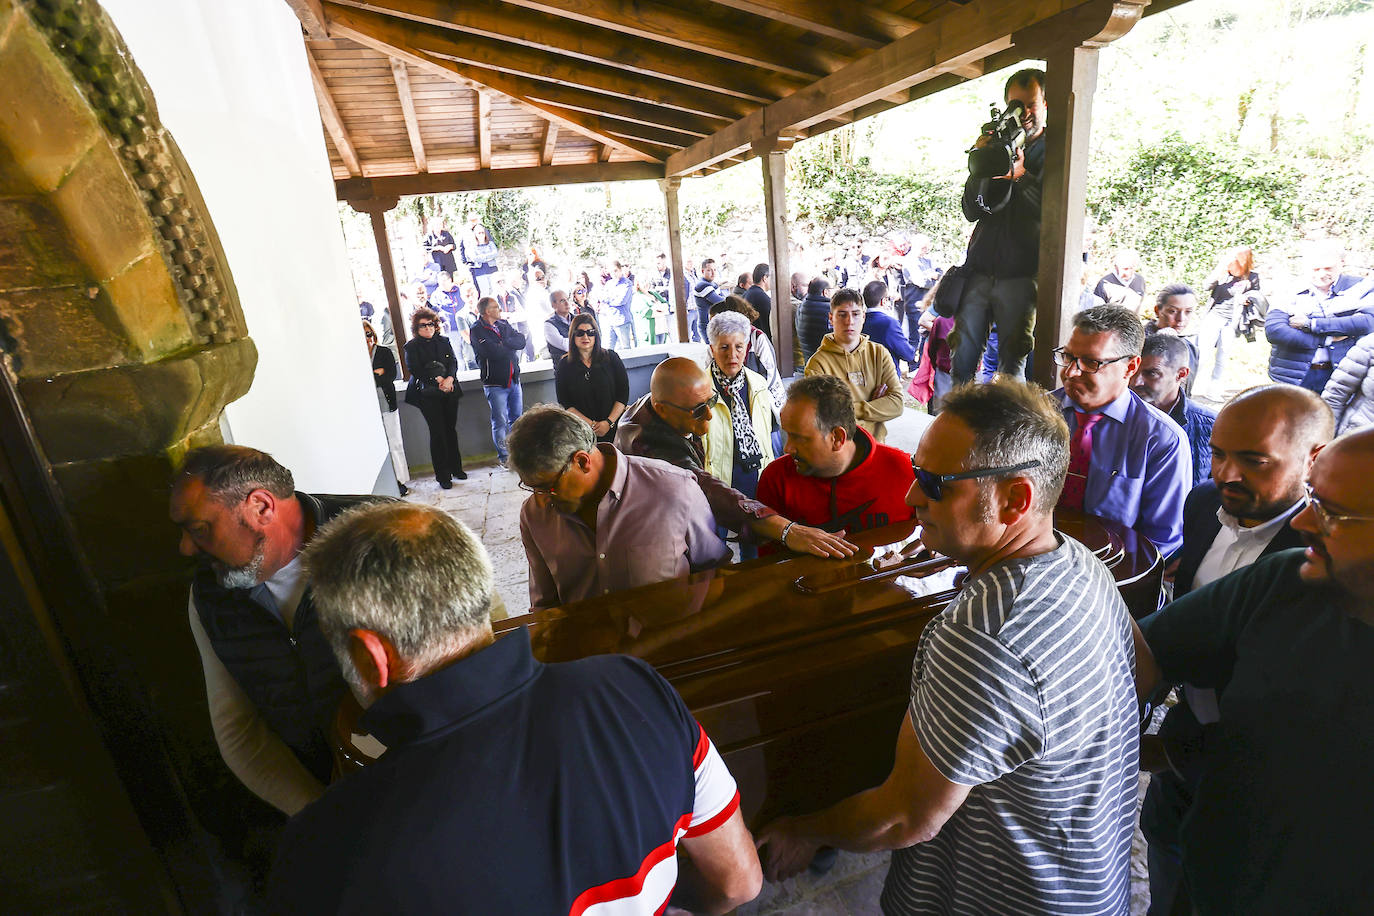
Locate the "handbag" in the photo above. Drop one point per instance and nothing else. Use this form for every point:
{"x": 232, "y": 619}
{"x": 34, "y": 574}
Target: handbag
{"x": 950, "y": 293}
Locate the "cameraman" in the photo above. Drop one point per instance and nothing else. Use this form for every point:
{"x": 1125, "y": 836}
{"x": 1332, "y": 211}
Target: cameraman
{"x": 1004, "y": 251}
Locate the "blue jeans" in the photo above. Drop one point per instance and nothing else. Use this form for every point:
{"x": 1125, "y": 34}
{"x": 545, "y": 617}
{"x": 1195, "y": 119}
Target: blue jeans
{"x": 622, "y": 336}
{"x": 506, "y": 406}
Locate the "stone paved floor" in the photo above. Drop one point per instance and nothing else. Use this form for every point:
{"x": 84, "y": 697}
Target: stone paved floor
{"x": 489, "y": 502}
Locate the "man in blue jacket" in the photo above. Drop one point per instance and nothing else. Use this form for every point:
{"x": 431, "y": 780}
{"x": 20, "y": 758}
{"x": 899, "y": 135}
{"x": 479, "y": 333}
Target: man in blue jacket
{"x": 883, "y": 328}
{"x": 1311, "y": 336}
{"x": 498, "y": 347}
{"x": 1161, "y": 381}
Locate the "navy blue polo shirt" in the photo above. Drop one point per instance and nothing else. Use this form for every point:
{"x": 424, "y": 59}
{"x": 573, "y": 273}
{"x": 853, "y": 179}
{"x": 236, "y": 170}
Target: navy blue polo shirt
{"x": 511, "y": 786}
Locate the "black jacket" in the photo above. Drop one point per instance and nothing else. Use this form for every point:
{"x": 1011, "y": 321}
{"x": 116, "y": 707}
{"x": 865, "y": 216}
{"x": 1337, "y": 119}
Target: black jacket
{"x": 498, "y": 348}
{"x": 384, "y": 360}
{"x": 1200, "y": 527}
{"x": 429, "y": 360}
{"x": 290, "y": 676}
{"x": 1006, "y": 241}
{"x": 813, "y": 323}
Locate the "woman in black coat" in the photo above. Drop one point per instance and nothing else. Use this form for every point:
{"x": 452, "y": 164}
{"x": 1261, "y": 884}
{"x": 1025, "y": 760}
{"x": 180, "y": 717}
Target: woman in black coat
{"x": 591, "y": 381}
{"x": 429, "y": 356}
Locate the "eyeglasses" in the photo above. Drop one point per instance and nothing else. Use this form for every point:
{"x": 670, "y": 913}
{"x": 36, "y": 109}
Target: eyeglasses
{"x": 1326, "y": 518}
{"x": 932, "y": 485}
{"x": 1086, "y": 364}
{"x": 584, "y": 332}
{"x": 426, "y": 324}
{"x": 548, "y": 491}
{"x": 699, "y": 412}
{"x": 370, "y": 336}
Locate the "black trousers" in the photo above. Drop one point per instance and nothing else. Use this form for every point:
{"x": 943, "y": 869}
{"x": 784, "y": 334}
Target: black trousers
{"x": 441, "y": 416}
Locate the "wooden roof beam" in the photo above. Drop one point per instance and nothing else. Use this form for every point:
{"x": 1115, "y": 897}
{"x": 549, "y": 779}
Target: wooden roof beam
{"x": 665, "y": 24}
{"x": 390, "y": 36}
{"x": 417, "y": 146}
{"x": 351, "y": 189}
{"x": 561, "y": 38}
{"x": 603, "y": 154}
{"x": 521, "y": 61}
{"x": 550, "y": 141}
{"x": 962, "y": 36}
{"x": 862, "y": 24}
{"x": 483, "y": 129}
{"x": 329, "y": 114}
{"x": 311, "y": 15}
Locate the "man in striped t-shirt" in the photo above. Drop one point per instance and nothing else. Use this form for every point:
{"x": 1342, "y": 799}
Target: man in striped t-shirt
{"x": 1014, "y": 786}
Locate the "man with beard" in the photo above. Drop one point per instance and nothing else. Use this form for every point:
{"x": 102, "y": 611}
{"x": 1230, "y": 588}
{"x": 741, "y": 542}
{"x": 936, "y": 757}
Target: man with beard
{"x": 833, "y": 474}
{"x": 1162, "y": 382}
{"x": 270, "y": 677}
{"x": 1280, "y": 822}
{"x": 1262, "y": 446}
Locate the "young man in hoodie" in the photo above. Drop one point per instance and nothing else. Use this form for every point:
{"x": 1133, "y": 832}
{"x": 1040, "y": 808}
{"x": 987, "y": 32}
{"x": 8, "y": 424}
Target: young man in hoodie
{"x": 864, "y": 365}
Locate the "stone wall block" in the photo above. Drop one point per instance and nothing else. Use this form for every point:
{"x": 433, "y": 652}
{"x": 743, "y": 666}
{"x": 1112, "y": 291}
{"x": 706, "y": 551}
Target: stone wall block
{"x": 131, "y": 409}
{"x": 62, "y": 329}
{"x": 49, "y": 126}
{"x": 105, "y": 218}
{"x": 145, "y": 299}
{"x": 33, "y": 246}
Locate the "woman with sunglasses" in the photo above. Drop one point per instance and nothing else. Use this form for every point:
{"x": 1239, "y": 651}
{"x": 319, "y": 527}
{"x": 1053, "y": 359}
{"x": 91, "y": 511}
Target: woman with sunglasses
{"x": 591, "y": 381}
{"x": 432, "y": 390}
{"x": 739, "y": 442}
{"x": 384, "y": 376}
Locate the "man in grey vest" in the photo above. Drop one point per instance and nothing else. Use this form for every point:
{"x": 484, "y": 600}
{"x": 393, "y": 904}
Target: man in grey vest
{"x": 271, "y": 679}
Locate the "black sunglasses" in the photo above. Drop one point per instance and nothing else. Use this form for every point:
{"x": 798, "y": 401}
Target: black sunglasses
{"x": 702, "y": 410}
{"x": 426, "y": 324}
{"x": 932, "y": 485}
{"x": 584, "y": 332}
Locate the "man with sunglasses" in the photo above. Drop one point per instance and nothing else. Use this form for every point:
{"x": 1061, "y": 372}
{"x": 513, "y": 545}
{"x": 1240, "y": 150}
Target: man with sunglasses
{"x": 1280, "y": 822}
{"x": 1262, "y": 447}
{"x": 1015, "y": 780}
{"x": 600, "y": 521}
{"x": 668, "y": 424}
{"x": 1127, "y": 460}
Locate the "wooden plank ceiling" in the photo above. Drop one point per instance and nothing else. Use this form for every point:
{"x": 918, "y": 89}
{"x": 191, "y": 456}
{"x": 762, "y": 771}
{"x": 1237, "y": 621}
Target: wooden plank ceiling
{"x": 419, "y": 95}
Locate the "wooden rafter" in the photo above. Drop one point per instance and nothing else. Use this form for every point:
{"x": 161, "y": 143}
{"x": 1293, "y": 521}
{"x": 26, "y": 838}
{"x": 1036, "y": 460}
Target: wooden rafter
{"x": 864, "y": 25}
{"x": 492, "y": 19}
{"x": 391, "y": 37}
{"x": 417, "y": 146}
{"x": 483, "y": 129}
{"x": 604, "y": 153}
{"x": 487, "y": 179}
{"x": 311, "y": 15}
{"x": 329, "y": 114}
{"x": 668, "y": 25}
{"x": 550, "y": 141}
{"x": 964, "y": 36}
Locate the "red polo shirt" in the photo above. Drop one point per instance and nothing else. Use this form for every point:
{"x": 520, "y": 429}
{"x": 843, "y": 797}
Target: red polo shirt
{"x": 869, "y": 496}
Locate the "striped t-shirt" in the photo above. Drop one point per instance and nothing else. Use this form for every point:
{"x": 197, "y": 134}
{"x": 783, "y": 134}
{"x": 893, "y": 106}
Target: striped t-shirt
{"x": 1023, "y": 688}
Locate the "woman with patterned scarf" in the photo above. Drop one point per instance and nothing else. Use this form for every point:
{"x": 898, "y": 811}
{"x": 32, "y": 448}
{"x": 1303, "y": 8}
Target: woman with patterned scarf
{"x": 739, "y": 440}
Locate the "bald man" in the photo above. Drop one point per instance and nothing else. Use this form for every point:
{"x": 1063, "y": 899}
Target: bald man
{"x": 1262, "y": 447}
{"x": 668, "y": 424}
{"x": 1280, "y": 822}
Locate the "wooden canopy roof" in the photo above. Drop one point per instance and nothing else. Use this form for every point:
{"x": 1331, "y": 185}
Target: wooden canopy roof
{"x": 425, "y": 96}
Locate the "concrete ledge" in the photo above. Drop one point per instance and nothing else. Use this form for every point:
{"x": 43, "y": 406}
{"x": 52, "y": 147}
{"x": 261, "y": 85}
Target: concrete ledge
{"x": 537, "y": 381}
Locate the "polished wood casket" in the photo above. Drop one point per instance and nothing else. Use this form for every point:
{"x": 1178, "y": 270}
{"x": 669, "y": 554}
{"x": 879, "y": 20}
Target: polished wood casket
{"x": 799, "y": 668}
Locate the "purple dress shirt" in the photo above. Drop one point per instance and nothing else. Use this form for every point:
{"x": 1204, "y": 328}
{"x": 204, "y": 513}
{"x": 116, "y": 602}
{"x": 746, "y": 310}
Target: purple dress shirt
{"x": 653, "y": 524}
{"x": 1141, "y": 469}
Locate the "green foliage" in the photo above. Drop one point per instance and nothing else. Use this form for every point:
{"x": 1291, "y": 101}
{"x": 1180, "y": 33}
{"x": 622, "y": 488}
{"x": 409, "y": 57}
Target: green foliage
{"x": 826, "y": 191}
{"x": 1182, "y": 203}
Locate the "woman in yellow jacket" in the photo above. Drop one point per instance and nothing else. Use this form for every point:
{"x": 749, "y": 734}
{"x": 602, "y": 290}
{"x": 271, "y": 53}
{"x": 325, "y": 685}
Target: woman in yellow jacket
{"x": 739, "y": 441}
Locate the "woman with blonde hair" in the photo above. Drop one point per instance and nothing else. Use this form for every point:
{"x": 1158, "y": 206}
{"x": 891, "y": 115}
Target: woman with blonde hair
{"x": 384, "y": 376}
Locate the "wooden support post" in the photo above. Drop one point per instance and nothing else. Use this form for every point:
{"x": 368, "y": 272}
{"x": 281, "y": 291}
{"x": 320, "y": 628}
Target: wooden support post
{"x": 670, "y": 187}
{"x": 483, "y": 129}
{"x": 376, "y": 208}
{"x": 772, "y": 152}
{"x": 549, "y": 143}
{"x": 1071, "y": 74}
{"x": 401, "y": 77}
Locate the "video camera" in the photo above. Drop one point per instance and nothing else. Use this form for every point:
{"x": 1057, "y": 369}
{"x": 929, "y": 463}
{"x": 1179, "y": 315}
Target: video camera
{"x": 995, "y": 158}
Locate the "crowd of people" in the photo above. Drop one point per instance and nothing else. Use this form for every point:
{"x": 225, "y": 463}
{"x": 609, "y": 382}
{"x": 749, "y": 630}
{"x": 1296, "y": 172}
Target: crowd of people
{"x": 588, "y": 786}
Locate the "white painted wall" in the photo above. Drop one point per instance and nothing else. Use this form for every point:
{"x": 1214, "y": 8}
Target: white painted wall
{"x": 233, "y": 86}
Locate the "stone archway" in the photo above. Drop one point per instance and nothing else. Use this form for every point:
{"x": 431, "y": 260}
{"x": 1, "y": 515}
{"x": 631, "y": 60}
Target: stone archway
{"x": 121, "y": 335}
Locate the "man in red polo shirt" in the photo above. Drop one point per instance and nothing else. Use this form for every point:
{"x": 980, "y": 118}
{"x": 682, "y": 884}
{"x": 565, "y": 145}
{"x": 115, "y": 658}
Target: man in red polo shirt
{"x": 833, "y": 474}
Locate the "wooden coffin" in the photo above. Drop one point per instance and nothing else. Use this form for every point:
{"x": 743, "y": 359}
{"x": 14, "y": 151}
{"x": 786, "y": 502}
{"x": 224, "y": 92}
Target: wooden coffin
{"x": 799, "y": 668}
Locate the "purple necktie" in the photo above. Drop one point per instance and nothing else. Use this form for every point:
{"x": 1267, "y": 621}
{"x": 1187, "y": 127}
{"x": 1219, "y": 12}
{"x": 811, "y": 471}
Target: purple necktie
{"x": 1080, "y": 459}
